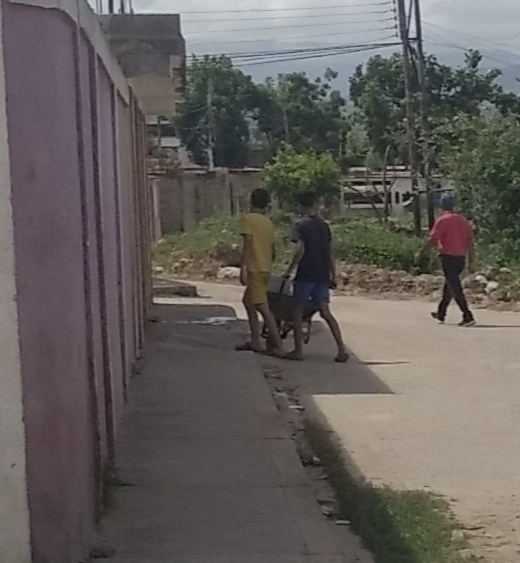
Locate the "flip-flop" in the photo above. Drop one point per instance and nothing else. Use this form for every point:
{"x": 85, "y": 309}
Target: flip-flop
{"x": 342, "y": 358}
{"x": 274, "y": 354}
{"x": 294, "y": 357}
{"x": 246, "y": 347}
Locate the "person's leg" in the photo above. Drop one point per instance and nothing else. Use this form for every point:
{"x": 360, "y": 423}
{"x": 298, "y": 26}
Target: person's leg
{"x": 255, "y": 343}
{"x": 456, "y": 267}
{"x": 273, "y": 336}
{"x": 442, "y": 309}
{"x": 261, "y": 303}
{"x": 322, "y": 297}
{"x": 297, "y": 353}
{"x": 302, "y": 293}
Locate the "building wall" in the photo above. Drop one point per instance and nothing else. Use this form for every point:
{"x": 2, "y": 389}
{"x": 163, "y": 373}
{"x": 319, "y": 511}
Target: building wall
{"x": 80, "y": 215}
{"x": 152, "y": 53}
{"x": 14, "y": 511}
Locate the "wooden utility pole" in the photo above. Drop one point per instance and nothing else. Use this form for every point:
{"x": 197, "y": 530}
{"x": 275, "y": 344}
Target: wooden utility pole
{"x": 410, "y": 113}
{"x": 211, "y": 147}
{"x": 424, "y": 106}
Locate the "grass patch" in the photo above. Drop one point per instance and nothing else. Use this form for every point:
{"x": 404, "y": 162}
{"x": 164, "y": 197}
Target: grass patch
{"x": 396, "y": 526}
{"x": 355, "y": 241}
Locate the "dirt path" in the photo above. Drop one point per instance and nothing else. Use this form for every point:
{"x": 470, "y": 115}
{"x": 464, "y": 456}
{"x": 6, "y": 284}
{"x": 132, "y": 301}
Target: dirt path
{"x": 425, "y": 406}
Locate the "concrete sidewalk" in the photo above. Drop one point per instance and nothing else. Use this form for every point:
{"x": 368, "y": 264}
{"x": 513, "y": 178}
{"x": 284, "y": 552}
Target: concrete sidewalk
{"x": 423, "y": 406}
{"x": 216, "y": 477}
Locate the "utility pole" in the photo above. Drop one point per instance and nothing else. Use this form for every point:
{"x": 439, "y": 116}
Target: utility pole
{"x": 424, "y": 106}
{"x": 410, "y": 113}
{"x": 211, "y": 147}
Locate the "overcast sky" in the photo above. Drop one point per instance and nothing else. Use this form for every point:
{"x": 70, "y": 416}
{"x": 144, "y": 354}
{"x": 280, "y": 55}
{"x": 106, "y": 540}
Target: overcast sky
{"x": 450, "y": 26}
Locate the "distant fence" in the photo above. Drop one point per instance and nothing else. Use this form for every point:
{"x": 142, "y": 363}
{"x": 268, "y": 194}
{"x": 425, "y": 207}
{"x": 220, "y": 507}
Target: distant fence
{"x": 185, "y": 198}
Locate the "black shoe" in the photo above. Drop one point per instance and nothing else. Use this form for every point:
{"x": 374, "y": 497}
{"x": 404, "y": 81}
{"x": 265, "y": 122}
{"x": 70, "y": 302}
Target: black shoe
{"x": 468, "y": 324}
{"x": 436, "y": 317}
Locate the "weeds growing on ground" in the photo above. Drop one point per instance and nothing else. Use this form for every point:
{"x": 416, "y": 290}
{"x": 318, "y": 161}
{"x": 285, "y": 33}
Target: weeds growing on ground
{"x": 355, "y": 241}
{"x": 396, "y": 526}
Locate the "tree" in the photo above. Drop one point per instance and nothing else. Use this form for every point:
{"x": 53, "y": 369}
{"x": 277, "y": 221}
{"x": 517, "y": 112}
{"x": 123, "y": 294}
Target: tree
{"x": 481, "y": 155}
{"x": 379, "y": 96}
{"x": 289, "y": 110}
{"x": 305, "y": 114}
{"x": 233, "y": 96}
{"x": 292, "y": 172}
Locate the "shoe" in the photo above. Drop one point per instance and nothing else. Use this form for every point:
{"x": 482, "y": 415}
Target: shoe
{"x": 436, "y": 317}
{"x": 468, "y": 324}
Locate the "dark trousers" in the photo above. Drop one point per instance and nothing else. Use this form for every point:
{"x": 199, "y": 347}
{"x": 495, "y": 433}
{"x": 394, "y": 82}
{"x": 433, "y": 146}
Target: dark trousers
{"x": 453, "y": 266}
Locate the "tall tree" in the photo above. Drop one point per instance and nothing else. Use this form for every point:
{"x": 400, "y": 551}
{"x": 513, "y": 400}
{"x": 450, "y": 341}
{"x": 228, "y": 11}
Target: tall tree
{"x": 306, "y": 114}
{"x": 481, "y": 155}
{"x": 221, "y": 98}
{"x": 377, "y": 91}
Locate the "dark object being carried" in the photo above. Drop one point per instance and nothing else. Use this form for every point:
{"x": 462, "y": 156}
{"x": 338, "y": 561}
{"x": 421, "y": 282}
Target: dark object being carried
{"x": 281, "y": 303}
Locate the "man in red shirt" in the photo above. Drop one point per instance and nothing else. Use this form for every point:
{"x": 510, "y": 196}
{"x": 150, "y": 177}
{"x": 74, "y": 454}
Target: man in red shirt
{"x": 452, "y": 235}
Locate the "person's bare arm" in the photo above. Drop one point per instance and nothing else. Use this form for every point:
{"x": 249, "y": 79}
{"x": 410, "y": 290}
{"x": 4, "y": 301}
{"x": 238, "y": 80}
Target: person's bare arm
{"x": 246, "y": 254}
{"x": 428, "y": 243}
{"x": 296, "y": 259}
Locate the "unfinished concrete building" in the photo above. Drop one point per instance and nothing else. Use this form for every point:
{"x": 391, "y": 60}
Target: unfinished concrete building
{"x": 152, "y": 53}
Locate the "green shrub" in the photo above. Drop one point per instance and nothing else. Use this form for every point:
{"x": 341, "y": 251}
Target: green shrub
{"x": 368, "y": 242}
{"x": 355, "y": 241}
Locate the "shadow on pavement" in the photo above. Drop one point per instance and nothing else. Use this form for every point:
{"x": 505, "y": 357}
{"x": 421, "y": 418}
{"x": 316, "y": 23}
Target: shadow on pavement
{"x": 319, "y": 375}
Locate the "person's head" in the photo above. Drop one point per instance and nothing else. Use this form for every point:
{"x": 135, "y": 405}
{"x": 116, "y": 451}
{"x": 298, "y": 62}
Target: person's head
{"x": 447, "y": 202}
{"x": 260, "y": 199}
{"x": 306, "y": 201}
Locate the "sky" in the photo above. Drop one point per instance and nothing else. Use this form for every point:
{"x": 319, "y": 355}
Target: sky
{"x": 247, "y": 26}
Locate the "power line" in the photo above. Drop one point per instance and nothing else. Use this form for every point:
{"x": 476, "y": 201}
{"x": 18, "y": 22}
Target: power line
{"x": 308, "y": 56}
{"x": 293, "y": 38}
{"x": 301, "y": 50}
{"x": 376, "y": 12}
{"x": 276, "y": 28}
{"x": 256, "y": 10}
{"x": 478, "y": 40}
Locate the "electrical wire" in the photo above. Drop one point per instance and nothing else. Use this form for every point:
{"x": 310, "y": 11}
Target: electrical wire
{"x": 298, "y": 51}
{"x": 308, "y": 56}
{"x": 498, "y": 50}
{"x": 377, "y": 12}
{"x": 292, "y": 38}
{"x": 255, "y": 10}
{"x": 276, "y": 28}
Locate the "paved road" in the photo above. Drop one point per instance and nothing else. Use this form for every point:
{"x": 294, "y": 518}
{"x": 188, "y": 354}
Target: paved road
{"x": 425, "y": 406}
{"x": 216, "y": 477}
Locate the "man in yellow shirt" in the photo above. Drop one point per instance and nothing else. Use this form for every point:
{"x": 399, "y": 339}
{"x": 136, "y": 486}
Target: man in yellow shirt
{"x": 258, "y": 254}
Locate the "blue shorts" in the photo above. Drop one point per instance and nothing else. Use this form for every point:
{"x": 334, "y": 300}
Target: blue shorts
{"x": 315, "y": 292}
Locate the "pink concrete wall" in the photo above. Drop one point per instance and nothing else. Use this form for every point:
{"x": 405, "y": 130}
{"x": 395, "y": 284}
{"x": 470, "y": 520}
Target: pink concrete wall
{"x": 75, "y": 187}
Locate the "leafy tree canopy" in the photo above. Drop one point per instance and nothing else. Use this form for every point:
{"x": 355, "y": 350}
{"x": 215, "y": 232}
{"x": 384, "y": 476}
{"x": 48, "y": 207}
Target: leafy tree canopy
{"x": 292, "y": 172}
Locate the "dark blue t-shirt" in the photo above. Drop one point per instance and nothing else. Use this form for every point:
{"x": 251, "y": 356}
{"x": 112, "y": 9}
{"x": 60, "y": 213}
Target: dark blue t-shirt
{"x": 315, "y": 266}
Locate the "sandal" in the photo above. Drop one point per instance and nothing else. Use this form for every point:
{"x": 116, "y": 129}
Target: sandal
{"x": 342, "y": 358}
{"x": 246, "y": 347}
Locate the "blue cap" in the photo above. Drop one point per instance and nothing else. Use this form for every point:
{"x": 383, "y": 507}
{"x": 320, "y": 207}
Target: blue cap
{"x": 447, "y": 201}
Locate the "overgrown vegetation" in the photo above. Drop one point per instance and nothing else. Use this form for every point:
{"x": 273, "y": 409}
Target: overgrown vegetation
{"x": 292, "y": 172}
{"x": 482, "y": 156}
{"x": 396, "y": 526}
{"x": 355, "y": 240}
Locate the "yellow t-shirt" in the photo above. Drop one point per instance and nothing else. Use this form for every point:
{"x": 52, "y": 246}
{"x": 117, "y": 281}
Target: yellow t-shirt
{"x": 261, "y": 230}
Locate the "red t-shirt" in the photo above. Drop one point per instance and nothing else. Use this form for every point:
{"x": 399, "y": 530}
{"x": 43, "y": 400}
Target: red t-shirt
{"x": 452, "y": 234}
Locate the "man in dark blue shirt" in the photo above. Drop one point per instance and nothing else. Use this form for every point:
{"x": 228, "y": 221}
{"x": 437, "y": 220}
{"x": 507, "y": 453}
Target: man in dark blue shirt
{"x": 315, "y": 274}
